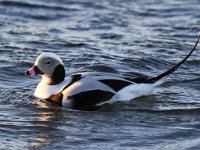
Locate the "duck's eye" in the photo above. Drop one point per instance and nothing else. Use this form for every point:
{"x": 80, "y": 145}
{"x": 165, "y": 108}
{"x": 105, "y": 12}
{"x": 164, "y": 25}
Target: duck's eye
{"x": 48, "y": 62}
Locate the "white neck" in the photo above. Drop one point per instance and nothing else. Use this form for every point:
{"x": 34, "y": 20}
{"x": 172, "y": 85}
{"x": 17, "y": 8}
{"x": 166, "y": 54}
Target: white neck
{"x": 46, "y": 80}
{"x": 44, "y": 90}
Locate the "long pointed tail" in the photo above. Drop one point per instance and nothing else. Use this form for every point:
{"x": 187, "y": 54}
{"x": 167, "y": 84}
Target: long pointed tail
{"x": 171, "y": 70}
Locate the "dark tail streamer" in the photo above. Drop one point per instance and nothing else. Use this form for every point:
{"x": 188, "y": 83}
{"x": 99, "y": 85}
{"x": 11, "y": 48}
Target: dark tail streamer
{"x": 171, "y": 70}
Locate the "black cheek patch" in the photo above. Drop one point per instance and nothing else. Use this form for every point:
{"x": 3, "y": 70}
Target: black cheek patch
{"x": 58, "y": 75}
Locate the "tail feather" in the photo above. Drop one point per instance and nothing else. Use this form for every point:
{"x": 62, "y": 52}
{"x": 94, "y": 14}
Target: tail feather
{"x": 174, "y": 68}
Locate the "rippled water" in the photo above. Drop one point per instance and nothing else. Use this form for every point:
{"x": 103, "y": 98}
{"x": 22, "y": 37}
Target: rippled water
{"x": 129, "y": 38}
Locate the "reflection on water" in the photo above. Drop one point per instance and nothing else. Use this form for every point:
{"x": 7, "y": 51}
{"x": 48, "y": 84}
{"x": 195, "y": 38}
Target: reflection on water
{"x": 45, "y": 138}
{"x": 47, "y": 121}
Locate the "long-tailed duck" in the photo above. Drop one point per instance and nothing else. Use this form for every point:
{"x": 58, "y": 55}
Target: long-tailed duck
{"x": 88, "y": 90}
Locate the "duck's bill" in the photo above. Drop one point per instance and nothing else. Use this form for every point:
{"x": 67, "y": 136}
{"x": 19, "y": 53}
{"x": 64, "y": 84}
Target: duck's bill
{"x": 33, "y": 71}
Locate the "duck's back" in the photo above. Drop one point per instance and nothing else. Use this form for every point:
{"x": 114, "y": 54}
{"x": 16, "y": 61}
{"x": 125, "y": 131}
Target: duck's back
{"x": 90, "y": 88}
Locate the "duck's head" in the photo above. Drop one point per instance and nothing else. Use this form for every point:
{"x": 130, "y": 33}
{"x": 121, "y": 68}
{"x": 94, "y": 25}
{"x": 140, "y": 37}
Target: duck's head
{"x": 50, "y": 67}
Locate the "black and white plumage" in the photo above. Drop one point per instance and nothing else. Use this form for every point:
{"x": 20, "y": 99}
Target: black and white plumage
{"x": 88, "y": 90}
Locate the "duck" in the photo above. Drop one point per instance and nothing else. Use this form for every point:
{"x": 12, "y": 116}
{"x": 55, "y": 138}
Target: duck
{"x": 89, "y": 90}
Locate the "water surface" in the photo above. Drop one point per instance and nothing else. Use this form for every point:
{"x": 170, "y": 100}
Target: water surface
{"x": 130, "y": 38}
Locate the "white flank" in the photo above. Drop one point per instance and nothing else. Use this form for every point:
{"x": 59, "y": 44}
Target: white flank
{"x": 133, "y": 91}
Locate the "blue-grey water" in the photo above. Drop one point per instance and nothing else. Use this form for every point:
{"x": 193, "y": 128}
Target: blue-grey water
{"x": 130, "y": 38}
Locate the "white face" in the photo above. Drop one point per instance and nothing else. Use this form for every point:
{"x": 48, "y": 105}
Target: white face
{"x": 47, "y": 62}
{"x": 48, "y": 55}
{"x": 50, "y": 67}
